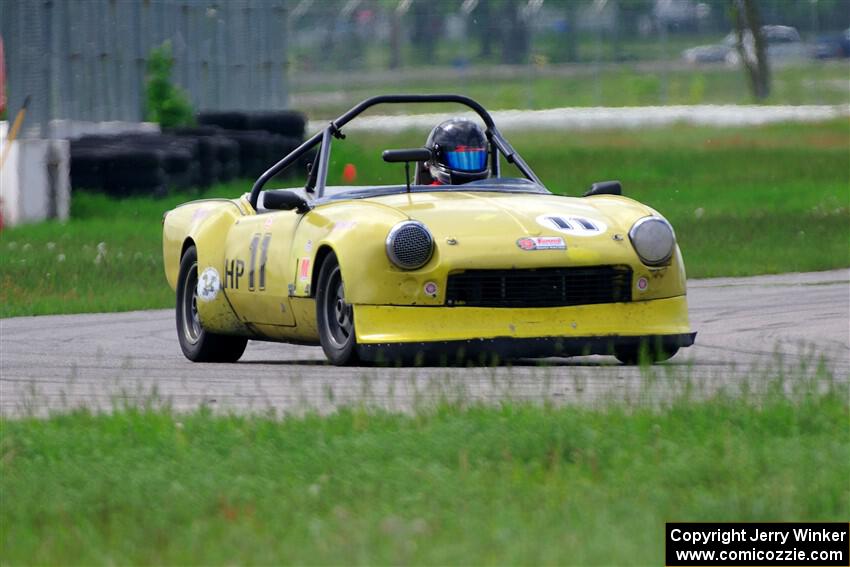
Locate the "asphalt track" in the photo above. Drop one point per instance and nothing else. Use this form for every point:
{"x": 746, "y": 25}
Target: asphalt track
{"x": 796, "y": 324}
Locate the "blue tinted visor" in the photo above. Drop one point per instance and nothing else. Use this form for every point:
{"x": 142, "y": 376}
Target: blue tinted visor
{"x": 469, "y": 159}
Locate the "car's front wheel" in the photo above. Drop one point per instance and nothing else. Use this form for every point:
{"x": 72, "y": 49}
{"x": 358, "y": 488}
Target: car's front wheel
{"x": 198, "y": 344}
{"x": 334, "y": 315}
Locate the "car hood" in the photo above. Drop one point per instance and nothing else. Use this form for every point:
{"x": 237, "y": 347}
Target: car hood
{"x": 484, "y": 215}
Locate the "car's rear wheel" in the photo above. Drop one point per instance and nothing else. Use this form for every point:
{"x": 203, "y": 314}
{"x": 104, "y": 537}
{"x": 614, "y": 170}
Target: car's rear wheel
{"x": 198, "y": 344}
{"x": 334, "y": 315}
{"x": 644, "y": 354}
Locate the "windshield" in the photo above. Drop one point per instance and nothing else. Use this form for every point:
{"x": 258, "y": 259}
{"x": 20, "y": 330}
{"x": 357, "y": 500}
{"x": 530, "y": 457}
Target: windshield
{"x": 497, "y": 185}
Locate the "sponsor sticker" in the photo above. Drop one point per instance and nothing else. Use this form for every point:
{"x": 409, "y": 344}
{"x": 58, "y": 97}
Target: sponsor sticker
{"x": 304, "y": 269}
{"x": 268, "y": 224}
{"x": 344, "y": 225}
{"x": 199, "y": 214}
{"x": 572, "y": 225}
{"x": 542, "y": 243}
{"x": 308, "y": 246}
{"x": 642, "y": 284}
{"x": 430, "y": 289}
{"x": 208, "y": 284}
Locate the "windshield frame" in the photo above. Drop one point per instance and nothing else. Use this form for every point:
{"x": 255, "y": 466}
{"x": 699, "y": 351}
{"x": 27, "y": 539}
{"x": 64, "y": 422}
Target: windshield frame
{"x": 317, "y": 177}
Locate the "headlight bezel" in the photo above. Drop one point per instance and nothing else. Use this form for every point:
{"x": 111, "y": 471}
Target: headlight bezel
{"x": 653, "y": 260}
{"x": 390, "y": 249}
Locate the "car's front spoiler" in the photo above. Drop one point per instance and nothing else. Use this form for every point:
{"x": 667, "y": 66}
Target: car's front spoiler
{"x": 499, "y": 349}
{"x": 387, "y": 333}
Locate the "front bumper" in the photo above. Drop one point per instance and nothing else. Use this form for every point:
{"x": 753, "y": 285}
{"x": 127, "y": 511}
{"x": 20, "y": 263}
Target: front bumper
{"x": 388, "y": 332}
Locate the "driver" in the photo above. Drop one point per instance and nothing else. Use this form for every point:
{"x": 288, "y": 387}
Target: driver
{"x": 459, "y": 147}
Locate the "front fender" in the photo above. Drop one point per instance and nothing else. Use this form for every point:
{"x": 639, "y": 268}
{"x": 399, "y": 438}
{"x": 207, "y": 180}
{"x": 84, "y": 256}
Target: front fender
{"x": 356, "y": 232}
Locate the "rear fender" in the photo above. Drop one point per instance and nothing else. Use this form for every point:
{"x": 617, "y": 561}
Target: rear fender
{"x": 206, "y": 224}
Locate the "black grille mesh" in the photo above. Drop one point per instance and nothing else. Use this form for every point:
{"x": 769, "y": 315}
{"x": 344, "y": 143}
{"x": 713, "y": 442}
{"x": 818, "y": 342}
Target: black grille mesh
{"x": 543, "y": 287}
{"x": 411, "y": 246}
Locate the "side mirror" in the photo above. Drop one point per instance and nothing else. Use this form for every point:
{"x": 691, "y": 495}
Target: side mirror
{"x": 604, "y": 188}
{"x": 407, "y": 156}
{"x": 285, "y": 201}
{"x": 413, "y": 154}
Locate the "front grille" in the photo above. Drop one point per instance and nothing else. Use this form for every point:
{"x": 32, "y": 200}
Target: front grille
{"x": 543, "y": 287}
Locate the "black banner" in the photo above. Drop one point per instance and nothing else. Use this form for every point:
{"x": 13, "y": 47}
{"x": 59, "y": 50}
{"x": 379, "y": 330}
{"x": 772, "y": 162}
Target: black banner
{"x": 818, "y": 544}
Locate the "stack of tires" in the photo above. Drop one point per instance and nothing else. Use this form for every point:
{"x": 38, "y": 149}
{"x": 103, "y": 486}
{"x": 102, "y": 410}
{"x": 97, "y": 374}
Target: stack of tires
{"x": 132, "y": 164}
{"x": 263, "y": 137}
{"x": 225, "y": 146}
{"x": 218, "y": 155}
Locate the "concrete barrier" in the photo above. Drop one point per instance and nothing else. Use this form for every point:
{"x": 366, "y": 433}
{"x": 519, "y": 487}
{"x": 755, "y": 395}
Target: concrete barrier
{"x": 34, "y": 180}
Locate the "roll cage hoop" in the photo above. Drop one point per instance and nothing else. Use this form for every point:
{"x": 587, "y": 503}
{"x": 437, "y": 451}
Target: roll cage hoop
{"x": 319, "y": 171}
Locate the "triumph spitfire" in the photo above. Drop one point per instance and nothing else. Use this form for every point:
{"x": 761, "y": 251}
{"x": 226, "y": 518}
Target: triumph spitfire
{"x": 482, "y": 268}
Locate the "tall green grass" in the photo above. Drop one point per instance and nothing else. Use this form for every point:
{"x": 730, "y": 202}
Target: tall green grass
{"x": 515, "y": 483}
{"x": 743, "y": 201}
{"x": 543, "y": 87}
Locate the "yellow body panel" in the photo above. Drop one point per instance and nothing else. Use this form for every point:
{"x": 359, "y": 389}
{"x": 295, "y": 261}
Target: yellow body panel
{"x": 392, "y": 324}
{"x": 257, "y": 267}
{"x": 472, "y": 230}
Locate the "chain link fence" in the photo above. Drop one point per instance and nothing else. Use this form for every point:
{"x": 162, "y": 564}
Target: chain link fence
{"x": 85, "y": 59}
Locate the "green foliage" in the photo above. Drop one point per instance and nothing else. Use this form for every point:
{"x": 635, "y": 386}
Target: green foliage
{"x": 777, "y": 196}
{"x": 165, "y": 103}
{"x": 696, "y": 89}
{"x": 512, "y": 484}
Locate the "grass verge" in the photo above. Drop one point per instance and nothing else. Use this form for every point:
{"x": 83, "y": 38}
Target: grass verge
{"x": 514, "y": 484}
{"x": 543, "y": 87}
{"x": 744, "y": 201}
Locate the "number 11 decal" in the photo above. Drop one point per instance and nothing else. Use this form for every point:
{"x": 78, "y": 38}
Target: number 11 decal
{"x": 264, "y": 255}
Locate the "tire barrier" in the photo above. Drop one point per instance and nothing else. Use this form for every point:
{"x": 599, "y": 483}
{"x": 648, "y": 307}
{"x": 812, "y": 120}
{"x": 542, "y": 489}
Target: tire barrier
{"x": 225, "y": 146}
{"x": 289, "y": 123}
{"x": 137, "y": 164}
{"x": 222, "y": 119}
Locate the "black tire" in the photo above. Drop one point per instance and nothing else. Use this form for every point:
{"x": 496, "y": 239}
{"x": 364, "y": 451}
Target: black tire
{"x": 197, "y": 344}
{"x": 234, "y": 120}
{"x": 334, "y": 316}
{"x": 88, "y": 168}
{"x": 285, "y": 122}
{"x": 644, "y": 354}
{"x": 192, "y": 131}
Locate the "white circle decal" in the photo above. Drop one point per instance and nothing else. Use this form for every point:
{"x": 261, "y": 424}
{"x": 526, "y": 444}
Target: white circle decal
{"x": 572, "y": 225}
{"x": 208, "y": 285}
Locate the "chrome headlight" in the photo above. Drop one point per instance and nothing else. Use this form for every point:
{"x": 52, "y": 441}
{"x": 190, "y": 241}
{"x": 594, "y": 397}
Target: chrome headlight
{"x": 653, "y": 240}
{"x": 410, "y": 245}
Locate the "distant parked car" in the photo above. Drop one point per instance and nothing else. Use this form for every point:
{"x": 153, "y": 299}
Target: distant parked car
{"x": 835, "y": 46}
{"x": 783, "y": 44}
{"x": 707, "y": 53}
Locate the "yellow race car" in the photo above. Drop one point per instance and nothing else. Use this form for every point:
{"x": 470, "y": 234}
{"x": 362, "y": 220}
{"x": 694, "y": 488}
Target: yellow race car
{"x": 458, "y": 264}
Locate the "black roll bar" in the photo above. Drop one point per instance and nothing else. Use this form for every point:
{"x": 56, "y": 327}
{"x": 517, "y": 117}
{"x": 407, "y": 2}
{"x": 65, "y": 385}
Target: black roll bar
{"x": 317, "y": 178}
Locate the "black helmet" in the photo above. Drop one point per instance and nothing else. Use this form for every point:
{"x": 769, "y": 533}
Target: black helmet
{"x": 460, "y": 152}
